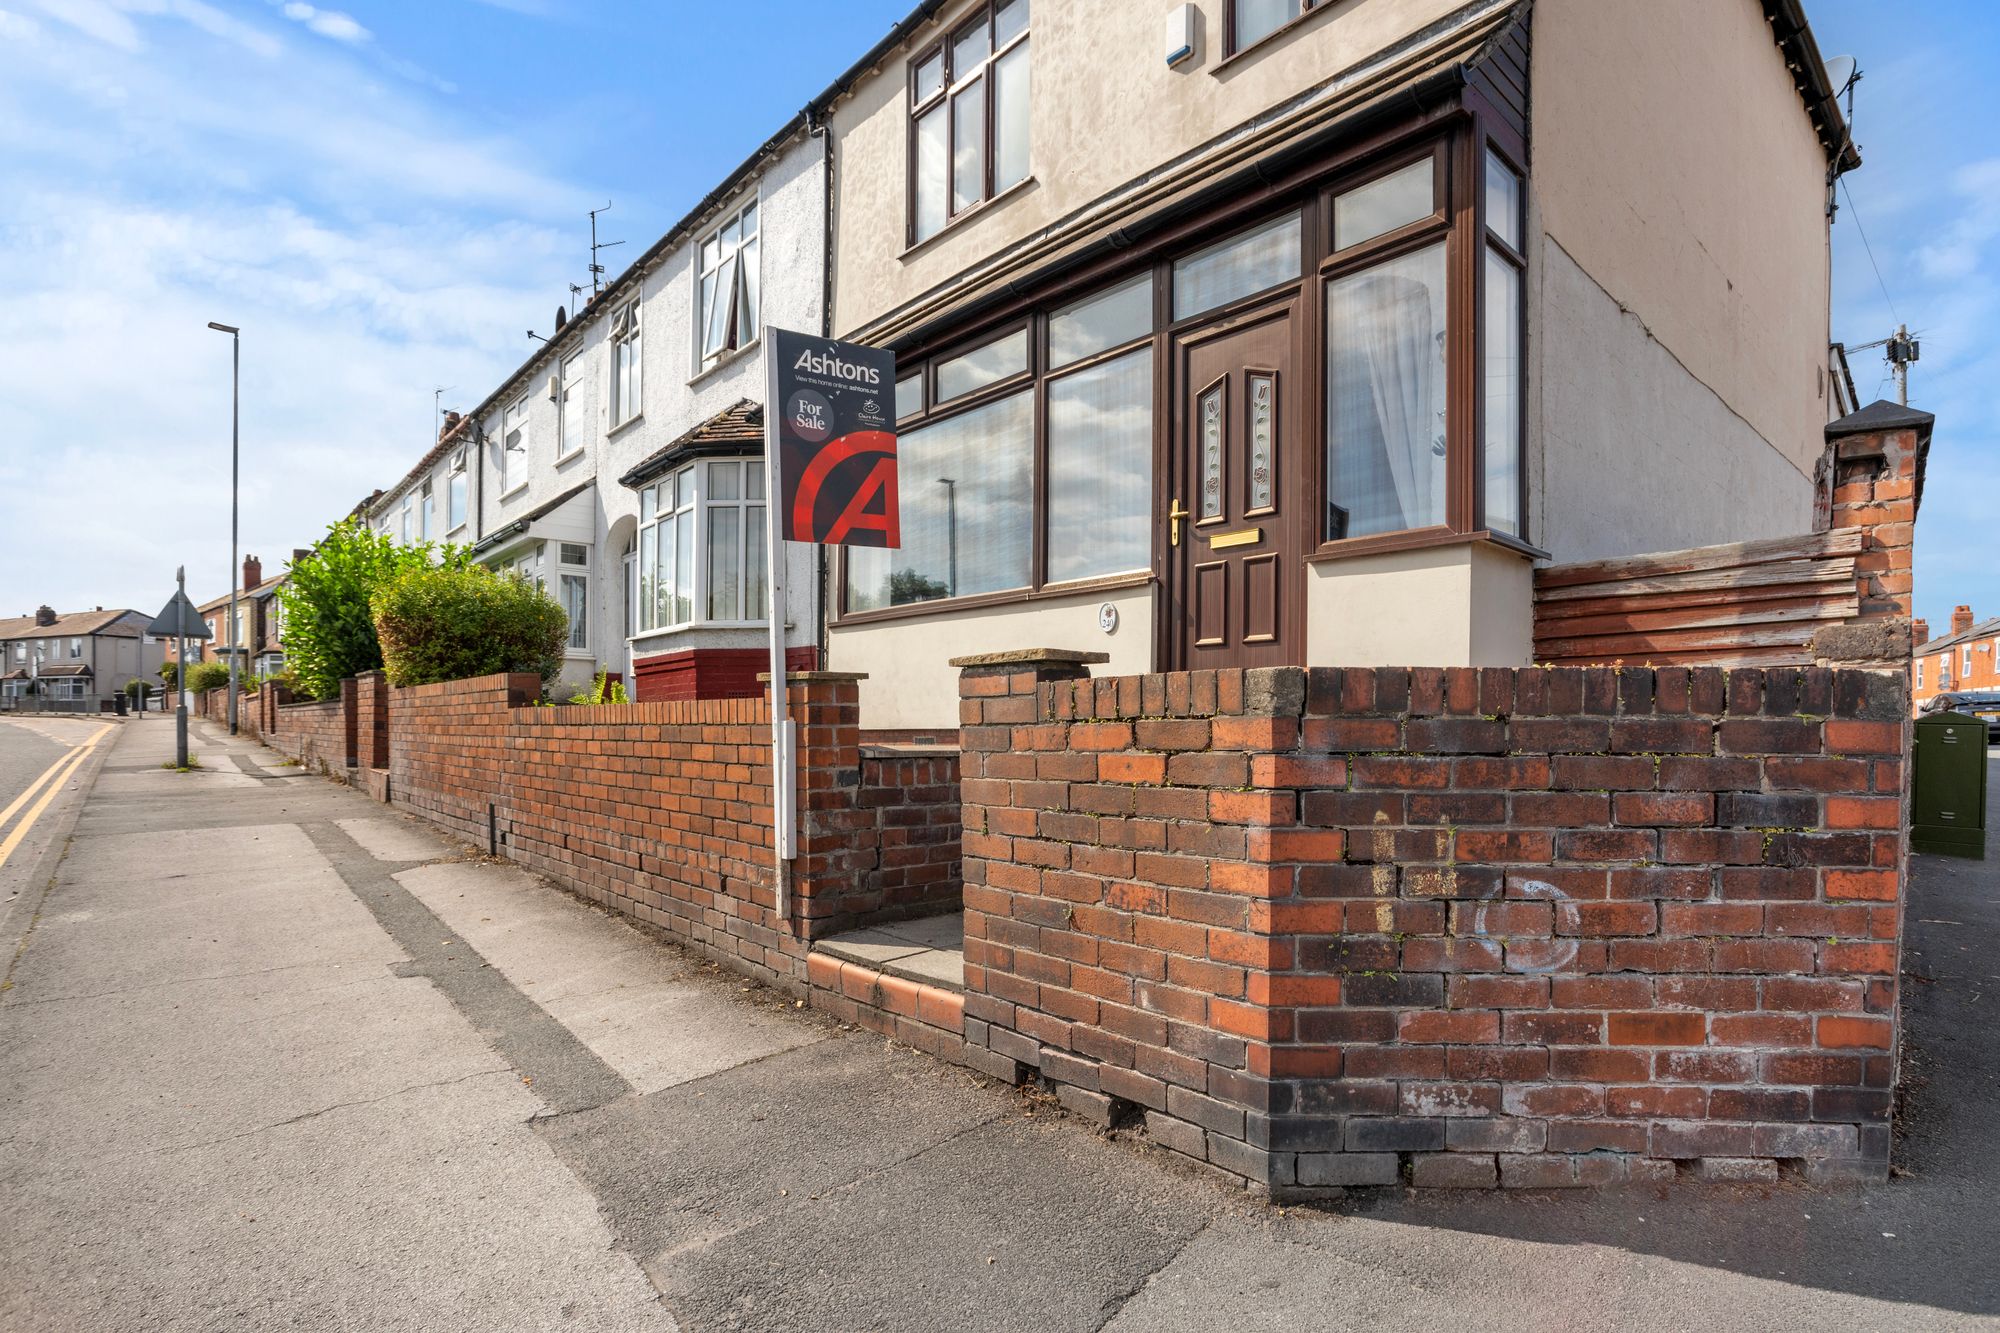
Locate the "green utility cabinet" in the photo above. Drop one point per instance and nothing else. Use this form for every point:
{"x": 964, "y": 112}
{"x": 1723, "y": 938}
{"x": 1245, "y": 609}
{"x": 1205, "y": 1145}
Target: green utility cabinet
{"x": 1948, "y": 798}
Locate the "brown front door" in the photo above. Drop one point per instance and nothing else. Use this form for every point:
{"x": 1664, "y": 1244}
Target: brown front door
{"x": 1232, "y": 576}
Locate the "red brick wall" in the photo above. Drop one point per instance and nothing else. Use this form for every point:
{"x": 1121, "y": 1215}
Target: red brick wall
{"x": 658, "y": 810}
{"x": 1523, "y": 927}
{"x": 710, "y": 673}
{"x": 912, "y": 798}
{"x": 371, "y": 722}
{"x": 315, "y": 734}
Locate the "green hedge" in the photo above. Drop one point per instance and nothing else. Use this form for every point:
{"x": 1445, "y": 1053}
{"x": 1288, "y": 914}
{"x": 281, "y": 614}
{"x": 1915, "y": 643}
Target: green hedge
{"x": 207, "y": 676}
{"x": 327, "y": 598}
{"x": 453, "y": 624}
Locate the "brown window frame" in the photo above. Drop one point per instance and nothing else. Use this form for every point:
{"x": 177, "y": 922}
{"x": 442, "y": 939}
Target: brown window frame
{"x": 1456, "y": 142}
{"x": 1035, "y": 380}
{"x": 945, "y": 101}
{"x": 1231, "y": 48}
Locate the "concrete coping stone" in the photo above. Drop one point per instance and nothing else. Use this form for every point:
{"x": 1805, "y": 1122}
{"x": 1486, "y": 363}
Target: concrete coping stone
{"x": 814, "y": 677}
{"x": 1032, "y": 657}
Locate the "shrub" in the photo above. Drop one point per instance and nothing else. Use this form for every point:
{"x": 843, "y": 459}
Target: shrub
{"x": 455, "y": 623}
{"x": 139, "y": 689}
{"x": 170, "y": 672}
{"x": 207, "y": 676}
{"x": 281, "y": 678}
{"x": 329, "y": 622}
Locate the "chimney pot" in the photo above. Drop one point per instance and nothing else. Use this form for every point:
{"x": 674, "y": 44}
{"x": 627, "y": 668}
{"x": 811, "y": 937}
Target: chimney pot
{"x": 253, "y": 572}
{"x": 1920, "y": 632}
{"x": 1961, "y": 619}
{"x": 45, "y": 615}
{"x": 451, "y": 420}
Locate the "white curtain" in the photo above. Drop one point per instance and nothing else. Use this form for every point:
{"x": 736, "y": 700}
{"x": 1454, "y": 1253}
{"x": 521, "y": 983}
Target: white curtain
{"x": 1397, "y": 337}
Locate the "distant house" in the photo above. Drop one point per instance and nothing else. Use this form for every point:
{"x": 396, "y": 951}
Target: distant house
{"x": 78, "y": 655}
{"x": 1967, "y": 658}
{"x": 259, "y": 623}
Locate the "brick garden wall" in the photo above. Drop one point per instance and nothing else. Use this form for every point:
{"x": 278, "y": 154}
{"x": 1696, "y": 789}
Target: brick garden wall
{"x": 662, "y": 810}
{"x": 912, "y": 800}
{"x": 315, "y": 734}
{"x": 1469, "y": 927}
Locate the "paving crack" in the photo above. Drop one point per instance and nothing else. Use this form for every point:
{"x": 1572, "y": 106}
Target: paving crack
{"x": 326, "y": 1110}
{"x": 1113, "y": 1307}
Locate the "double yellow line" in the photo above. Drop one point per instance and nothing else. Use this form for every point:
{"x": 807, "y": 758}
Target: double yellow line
{"x": 48, "y": 784}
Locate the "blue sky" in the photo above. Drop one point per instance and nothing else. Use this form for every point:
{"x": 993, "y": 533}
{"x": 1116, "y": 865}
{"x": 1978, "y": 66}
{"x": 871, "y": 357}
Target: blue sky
{"x": 385, "y": 195}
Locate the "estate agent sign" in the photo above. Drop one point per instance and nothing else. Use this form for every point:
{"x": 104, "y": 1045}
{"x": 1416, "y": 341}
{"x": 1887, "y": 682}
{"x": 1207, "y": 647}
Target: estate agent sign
{"x": 836, "y": 436}
{"x": 830, "y": 470}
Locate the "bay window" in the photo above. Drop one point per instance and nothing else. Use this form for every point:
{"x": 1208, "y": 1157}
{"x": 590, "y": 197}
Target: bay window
{"x": 969, "y": 122}
{"x": 735, "y": 543}
{"x": 702, "y": 553}
{"x": 729, "y": 281}
{"x": 1027, "y": 448}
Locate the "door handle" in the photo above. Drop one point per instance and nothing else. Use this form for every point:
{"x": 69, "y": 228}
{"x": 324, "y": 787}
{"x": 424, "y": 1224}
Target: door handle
{"x": 1174, "y": 516}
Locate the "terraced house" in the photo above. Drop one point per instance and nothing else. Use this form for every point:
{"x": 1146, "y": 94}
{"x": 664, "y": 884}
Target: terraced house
{"x": 619, "y": 465}
{"x": 1298, "y": 336}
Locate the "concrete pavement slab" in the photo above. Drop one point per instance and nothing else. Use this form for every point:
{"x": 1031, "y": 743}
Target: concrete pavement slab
{"x": 640, "y": 1006}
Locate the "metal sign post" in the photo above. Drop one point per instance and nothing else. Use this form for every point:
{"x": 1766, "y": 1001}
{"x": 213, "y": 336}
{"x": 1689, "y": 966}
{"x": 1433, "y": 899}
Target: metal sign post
{"x": 179, "y": 621}
{"x": 829, "y": 479}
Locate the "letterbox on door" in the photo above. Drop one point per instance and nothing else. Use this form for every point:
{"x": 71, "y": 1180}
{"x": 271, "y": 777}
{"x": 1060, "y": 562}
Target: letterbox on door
{"x": 1948, "y": 795}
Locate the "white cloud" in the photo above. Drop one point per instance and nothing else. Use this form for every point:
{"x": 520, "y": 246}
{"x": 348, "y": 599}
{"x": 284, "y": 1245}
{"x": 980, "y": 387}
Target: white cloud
{"x": 95, "y": 19}
{"x": 327, "y": 22}
{"x": 370, "y": 247}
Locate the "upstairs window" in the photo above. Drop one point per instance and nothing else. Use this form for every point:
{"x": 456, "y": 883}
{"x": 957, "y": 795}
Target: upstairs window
{"x": 625, "y": 388}
{"x": 573, "y": 417}
{"x": 729, "y": 281}
{"x": 429, "y": 511}
{"x": 514, "y": 448}
{"x": 969, "y": 116}
{"x": 1249, "y": 22}
{"x": 75, "y": 649}
{"x": 405, "y": 528}
{"x": 455, "y": 493}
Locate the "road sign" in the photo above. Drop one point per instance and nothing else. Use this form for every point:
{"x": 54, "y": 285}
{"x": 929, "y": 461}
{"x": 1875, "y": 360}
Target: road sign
{"x": 179, "y": 619}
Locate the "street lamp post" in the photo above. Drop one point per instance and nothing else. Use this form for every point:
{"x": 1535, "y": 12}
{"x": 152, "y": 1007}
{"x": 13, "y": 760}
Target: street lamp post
{"x": 235, "y": 568}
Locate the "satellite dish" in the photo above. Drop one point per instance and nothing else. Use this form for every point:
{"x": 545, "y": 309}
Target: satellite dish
{"x": 1840, "y": 72}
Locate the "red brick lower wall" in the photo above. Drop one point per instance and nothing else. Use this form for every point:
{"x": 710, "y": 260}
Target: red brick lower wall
{"x": 662, "y": 810}
{"x": 315, "y": 734}
{"x": 710, "y": 673}
{"x": 1465, "y": 927}
{"x": 912, "y": 799}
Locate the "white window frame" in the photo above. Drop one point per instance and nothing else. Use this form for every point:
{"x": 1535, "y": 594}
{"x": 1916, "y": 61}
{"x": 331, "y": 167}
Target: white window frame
{"x": 578, "y": 570}
{"x": 1920, "y": 673}
{"x": 747, "y": 468}
{"x": 427, "y": 509}
{"x": 693, "y": 508}
{"x": 1965, "y": 665}
{"x": 513, "y": 441}
{"x": 76, "y": 650}
{"x": 406, "y": 519}
{"x": 572, "y": 422}
{"x": 727, "y": 257}
{"x": 456, "y": 494}
{"x": 527, "y": 562}
{"x": 628, "y": 363}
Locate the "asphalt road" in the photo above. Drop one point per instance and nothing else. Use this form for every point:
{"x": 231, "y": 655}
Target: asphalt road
{"x": 46, "y": 764}
{"x": 276, "y": 1057}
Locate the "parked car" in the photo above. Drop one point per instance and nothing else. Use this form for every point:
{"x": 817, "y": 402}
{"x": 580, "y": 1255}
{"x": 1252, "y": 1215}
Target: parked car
{"x": 1979, "y": 703}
